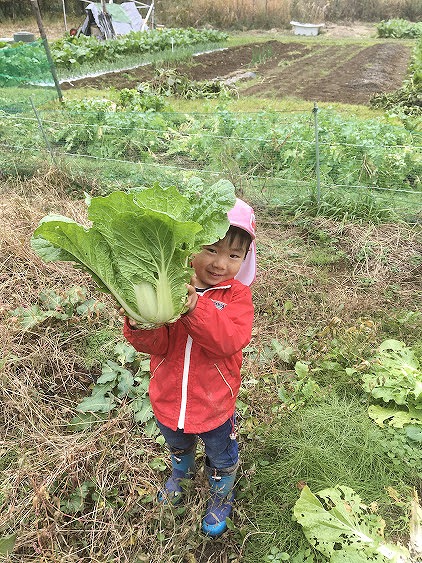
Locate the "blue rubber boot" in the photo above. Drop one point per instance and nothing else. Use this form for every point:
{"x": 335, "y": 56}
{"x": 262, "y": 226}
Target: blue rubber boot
{"x": 220, "y": 504}
{"x": 183, "y": 468}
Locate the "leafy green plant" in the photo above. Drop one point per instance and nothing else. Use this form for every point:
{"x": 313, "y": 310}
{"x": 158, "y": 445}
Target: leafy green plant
{"x": 126, "y": 379}
{"x": 399, "y": 28}
{"x": 23, "y": 64}
{"x": 394, "y": 377}
{"x": 7, "y": 544}
{"x": 134, "y": 100}
{"x": 73, "y": 51}
{"x": 55, "y": 306}
{"x": 76, "y": 501}
{"x": 304, "y": 388}
{"x": 403, "y": 446}
{"x": 139, "y": 244}
{"x": 169, "y": 82}
{"x": 321, "y": 444}
{"x": 407, "y": 100}
{"x": 337, "y": 524}
{"x": 261, "y": 55}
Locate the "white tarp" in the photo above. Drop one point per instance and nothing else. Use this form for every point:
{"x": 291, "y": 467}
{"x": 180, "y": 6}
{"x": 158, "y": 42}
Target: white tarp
{"x": 125, "y": 18}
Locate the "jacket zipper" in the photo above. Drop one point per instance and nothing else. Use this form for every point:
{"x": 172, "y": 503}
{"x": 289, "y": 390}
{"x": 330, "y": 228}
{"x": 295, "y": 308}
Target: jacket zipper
{"x": 186, "y": 365}
{"x": 185, "y": 377}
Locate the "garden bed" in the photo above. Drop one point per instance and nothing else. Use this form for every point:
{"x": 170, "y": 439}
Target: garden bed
{"x": 349, "y": 72}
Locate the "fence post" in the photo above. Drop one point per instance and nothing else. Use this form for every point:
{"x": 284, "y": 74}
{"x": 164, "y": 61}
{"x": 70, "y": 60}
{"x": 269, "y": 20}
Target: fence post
{"x": 318, "y": 180}
{"x": 40, "y": 125}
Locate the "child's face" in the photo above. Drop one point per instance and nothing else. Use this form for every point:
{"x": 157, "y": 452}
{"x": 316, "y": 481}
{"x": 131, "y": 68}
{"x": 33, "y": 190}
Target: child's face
{"x": 218, "y": 262}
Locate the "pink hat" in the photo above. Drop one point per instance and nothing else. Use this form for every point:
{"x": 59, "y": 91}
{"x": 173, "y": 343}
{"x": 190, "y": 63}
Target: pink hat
{"x": 242, "y": 215}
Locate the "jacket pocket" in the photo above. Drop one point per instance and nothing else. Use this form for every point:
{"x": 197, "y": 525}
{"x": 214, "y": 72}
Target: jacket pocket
{"x": 155, "y": 365}
{"x": 224, "y": 378}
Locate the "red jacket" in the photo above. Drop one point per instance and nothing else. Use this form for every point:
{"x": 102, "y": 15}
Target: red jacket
{"x": 196, "y": 361}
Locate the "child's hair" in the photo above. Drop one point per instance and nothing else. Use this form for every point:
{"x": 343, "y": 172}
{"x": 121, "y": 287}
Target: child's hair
{"x": 236, "y": 233}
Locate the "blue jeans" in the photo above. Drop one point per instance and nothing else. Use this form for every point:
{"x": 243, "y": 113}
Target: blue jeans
{"x": 221, "y": 449}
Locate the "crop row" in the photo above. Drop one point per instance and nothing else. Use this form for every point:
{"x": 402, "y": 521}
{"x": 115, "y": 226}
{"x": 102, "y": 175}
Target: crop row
{"x": 373, "y": 152}
{"x": 399, "y": 29}
{"x": 28, "y": 63}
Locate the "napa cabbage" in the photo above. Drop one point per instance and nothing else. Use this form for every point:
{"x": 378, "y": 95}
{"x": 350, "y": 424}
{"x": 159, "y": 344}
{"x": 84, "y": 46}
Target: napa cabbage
{"x": 139, "y": 243}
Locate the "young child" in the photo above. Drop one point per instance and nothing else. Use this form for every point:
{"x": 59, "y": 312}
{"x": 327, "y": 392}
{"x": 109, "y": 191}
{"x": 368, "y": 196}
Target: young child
{"x": 195, "y": 366}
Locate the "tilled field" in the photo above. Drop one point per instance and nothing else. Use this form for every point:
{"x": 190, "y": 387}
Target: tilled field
{"x": 348, "y": 73}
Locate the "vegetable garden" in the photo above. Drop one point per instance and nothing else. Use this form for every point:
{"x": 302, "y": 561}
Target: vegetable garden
{"x": 330, "y": 406}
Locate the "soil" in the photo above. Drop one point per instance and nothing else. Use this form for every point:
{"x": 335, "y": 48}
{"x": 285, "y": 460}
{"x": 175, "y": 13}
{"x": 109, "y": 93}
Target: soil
{"x": 349, "y": 72}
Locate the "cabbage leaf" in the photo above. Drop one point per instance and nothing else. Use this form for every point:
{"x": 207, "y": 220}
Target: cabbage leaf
{"x": 139, "y": 243}
{"x": 338, "y": 525}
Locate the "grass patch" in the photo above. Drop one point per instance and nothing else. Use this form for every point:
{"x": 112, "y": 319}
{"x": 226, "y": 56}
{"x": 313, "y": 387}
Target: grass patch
{"x": 322, "y": 445}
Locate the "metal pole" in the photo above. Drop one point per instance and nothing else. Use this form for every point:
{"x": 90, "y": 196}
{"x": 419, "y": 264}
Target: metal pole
{"x": 64, "y": 15}
{"x": 37, "y": 14}
{"x": 317, "y": 170}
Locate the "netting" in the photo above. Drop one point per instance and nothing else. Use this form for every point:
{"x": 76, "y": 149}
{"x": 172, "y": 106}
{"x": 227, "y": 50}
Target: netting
{"x": 272, "y": 155}
{"x": 25, "y": 75}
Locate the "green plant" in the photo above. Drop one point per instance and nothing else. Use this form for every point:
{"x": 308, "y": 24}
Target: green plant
{"x": 73, "y": 51}
{"x": 55, "y": 306}
{"x": 304, "y": 389}
{"x": 140, "y": 242}
{"x": 338, "y": 525}
{"x": 399, "y": 28}
{"x": 96, "y": 347}
{"x": 169, "y": 82}
{"x": 261, "y": 55}
{"x": 23, "y": 64}
{"x": 320, "y": 444}
{"x": 406, "y": 102}
{"x": 135, "y": 100}
{"x": 117, "y": 384}
{"x": 403, "y": 446}
{"x": 393, "y": 376}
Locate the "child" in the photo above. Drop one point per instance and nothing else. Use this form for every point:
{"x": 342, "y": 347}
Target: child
{"x": 195, "y": 366}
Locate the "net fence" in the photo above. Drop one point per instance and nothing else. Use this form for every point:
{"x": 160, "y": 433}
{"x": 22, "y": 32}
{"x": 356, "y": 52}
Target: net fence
{"x": 272, "y": 156}
{"x": 25, "y": 76}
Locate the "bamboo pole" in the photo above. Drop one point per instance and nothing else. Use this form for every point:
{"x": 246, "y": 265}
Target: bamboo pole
{"x": 64, "y": 15}
{"x": 37, "y": 14}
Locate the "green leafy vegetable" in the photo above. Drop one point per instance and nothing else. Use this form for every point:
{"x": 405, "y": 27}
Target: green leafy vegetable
{"x": 139, "y": 244}
{"x": 338, "y": 525}
{"x": 395, "y": 378}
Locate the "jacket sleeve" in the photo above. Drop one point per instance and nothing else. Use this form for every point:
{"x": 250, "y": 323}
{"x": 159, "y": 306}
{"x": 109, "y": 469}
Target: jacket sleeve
{"x": 222, "y": 332}
{"x": 154, "y": 341}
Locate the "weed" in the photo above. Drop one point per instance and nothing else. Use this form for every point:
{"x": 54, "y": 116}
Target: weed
{"x": 97, "y": 347}
{"x": 261, "y": 55}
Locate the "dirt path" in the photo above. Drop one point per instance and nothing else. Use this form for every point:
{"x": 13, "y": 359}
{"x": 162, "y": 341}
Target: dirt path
{"x": 349, "y": 73}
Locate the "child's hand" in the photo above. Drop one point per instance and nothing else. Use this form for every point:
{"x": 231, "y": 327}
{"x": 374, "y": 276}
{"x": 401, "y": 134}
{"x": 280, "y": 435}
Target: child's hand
{"x": 122, "y": 313}
{"x": 192, "y": 298}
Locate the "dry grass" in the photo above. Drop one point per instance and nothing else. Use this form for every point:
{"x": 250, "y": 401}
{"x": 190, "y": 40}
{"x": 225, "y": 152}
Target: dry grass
{"x": 43, "y": 377}
{"x": 255, "y": 14}
{"x": 240, "y": 14}
{"x": 373, "y": 258}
